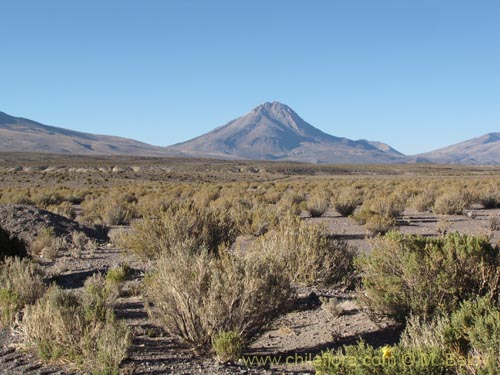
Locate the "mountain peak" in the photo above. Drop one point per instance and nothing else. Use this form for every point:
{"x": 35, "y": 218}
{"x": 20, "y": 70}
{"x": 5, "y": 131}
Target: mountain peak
{"x": 273, "y": 131}
{"x": 274, "y": 108}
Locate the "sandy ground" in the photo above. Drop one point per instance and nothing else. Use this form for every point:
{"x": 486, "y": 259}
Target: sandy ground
{"x": 320, "y": 319}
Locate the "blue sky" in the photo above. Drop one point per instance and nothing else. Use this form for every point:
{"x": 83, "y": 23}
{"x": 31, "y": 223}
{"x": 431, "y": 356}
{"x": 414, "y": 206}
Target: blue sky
{"x": 417, "y": 74}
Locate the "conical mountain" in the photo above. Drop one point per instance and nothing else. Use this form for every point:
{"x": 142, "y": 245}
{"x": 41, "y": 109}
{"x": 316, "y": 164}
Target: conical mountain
{"x": 273, "y": 131}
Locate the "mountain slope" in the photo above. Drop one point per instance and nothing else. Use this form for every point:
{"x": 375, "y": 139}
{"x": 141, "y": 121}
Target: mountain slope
{"x": 20, "y": 134}
{"x": 481, "y": 150}
{"x": 273, "y": 131}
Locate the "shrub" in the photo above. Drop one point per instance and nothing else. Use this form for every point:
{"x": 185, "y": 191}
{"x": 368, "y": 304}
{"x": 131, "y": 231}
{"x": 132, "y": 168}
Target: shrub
{"x": 386, "y": 205}
{"x": 378, "y": 224}
{"x": 11, "y": 245}
{"x": 77, "y": 329}
{"x": 346, "y": 202}
{"x": 474, "y": 330}
{"x": 451, "y": 203}
{"x": 151, "y": 237}
{"x": 424, "y": 201}
{"x": 227, "y": 346}
{"x": 47, "y": 244}
{"x": 470, "y": 336}
{"x": 112, "y": 209}
{"x": 318, "y": 203}
{"x": 413, "y": 274}
{"x": 309, "y": 256}
{"x": 64, "y": 209}
{"x": 195, "y": 294}
{"x": 115, "y": 277}
{"x": 379, "y": 214}
{"x": 21, "y": 283}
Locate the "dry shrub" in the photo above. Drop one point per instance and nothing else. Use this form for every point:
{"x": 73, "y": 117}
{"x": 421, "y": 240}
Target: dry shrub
{"x": 386, "y": 205}
{"x": 318, "y": 203}
{"x": 347, "y": 201}
{"x": 111, "y": 209}
{"x": 424, "y": 201}
{"x": 151, "y": 237}
{"x": 425, "y": 276}
{"x": 195, "y": 294}
{"x": 78, "y": 329}
{"x": 64, "y": 209}
{"x": 379, "y": 225}
{"x": 21, "y": 283}
{"x": 309, "y": 256}
{"x": 452, "y": 203}
{"x": 251, "y": 217}
{"x": 47, "y": 244}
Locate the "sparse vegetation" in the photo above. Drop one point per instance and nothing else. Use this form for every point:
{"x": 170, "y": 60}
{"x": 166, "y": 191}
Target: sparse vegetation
{"x": 227, "y": 244}
{"x": 152, "y": 237}
{"x": 79, "y": 329}
{"x": 21, "y": 284}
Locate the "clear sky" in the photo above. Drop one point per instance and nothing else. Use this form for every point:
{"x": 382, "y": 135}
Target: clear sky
{"x": 417, "y": 74}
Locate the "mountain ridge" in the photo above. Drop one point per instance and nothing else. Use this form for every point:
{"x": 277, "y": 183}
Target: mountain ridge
{"x": 21, "y": 134}
{"x": 270, "y": 131}
{"x": 484, "y": 149}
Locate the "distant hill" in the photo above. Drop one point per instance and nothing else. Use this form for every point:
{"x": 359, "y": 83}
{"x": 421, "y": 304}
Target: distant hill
{"x": 20, "y": 134}
{"x": 481, "y": 150}
{"x": 273, "y": 131}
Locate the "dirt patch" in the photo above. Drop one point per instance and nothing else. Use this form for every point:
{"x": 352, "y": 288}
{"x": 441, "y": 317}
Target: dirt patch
{"x": 26, "y": 222}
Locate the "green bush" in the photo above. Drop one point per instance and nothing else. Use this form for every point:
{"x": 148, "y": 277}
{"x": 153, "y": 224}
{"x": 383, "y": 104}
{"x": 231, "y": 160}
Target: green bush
{"x": 470, "y": 336}
{"x": 413, "y": 274}
{"x": 474, "y": 331}
{"x": 227, "y": 346}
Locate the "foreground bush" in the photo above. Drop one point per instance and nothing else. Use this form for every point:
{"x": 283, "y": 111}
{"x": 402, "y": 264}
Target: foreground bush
{"x": 470, "y": 336}
{"x": 21, "y": 283}
{"x": 413, "y": 274}
{"x": 152, "y": 237}
{"x": 474, "y": 331}
{"x": 309, "y": 256}
{"x": 78, "y": 329}
{"x": 195, "y": 294}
